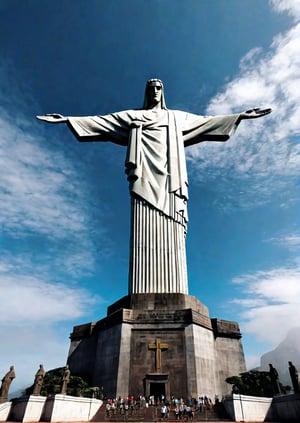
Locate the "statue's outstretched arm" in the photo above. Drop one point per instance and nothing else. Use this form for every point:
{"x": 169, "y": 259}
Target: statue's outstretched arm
{"x": 53, "y": 118}
{"x": 255, "y": 113}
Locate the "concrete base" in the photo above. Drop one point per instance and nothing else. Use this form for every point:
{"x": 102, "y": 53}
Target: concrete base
{"x": 284, "y": 408}
{"x": 201, "y": 352}
{"x": 68, "y": 408}
{"x": 5, "y": 410}
{"x": 244, "y": 408}
{"x": 27, "y": 409}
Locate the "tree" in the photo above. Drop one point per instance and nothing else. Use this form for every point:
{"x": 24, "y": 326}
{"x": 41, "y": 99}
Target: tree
{"x": 254, "y": 382}
{"x": 53, "y": 380}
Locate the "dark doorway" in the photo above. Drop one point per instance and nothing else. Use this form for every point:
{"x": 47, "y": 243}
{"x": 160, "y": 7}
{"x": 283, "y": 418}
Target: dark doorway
{"x": 157, "y": 389}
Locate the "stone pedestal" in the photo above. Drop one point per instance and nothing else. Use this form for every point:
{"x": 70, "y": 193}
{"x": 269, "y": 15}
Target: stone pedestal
{"x": 158, "y": 344}
{"x": 248, "y": 408}
{"x": 27, "y": 409}
{"x": 65, "y": 408}
{"x": 5, "y": 410}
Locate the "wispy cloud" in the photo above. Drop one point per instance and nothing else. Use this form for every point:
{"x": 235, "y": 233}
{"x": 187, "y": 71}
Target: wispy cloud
{"x": 37, "y": 185}
{"x": 26, "y": 347}
{"x": 33, "y": 300}
{"x": 44, "y": 192}
{"x": 33, "y": 306}
{"x": 291, "y": 241}
{"x": 46, "y": 240}
{"x": 271, "y": 303}
{"x": 263, "y": 158}
{"x": 292, "y": 7}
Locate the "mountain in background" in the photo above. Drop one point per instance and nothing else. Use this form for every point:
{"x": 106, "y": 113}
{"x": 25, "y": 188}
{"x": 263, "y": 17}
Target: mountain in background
{"x": 287, "y": 350}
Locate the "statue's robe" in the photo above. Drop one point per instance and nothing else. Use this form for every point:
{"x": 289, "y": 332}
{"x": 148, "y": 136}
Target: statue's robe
{"x": 156, "y": 169}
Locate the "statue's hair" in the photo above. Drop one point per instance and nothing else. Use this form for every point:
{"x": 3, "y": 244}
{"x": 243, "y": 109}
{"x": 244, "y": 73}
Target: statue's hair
{"x": 162, "y": 101}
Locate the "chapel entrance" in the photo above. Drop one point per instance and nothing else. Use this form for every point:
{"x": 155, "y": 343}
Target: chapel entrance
{"x": 157, "y": 384}
{"x": 157, "y": 389}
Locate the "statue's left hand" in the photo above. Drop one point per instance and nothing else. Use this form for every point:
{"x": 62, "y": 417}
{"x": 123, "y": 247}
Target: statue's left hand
{"x": 255, "y": 113}
{"x": 53, "y": 118}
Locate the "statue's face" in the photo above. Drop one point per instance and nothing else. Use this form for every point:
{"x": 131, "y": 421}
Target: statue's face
{"x": 154, "y": 93}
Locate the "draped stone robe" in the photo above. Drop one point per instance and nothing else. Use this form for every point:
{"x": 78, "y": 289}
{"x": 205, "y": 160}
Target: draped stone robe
{"x": 156, "y": 170}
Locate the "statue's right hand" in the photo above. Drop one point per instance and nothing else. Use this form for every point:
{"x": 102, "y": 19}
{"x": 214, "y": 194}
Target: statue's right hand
{"x": 53, "y": 118}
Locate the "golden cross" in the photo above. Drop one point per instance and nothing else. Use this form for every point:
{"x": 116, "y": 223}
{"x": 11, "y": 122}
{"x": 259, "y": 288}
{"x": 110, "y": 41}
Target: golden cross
{"x": 158, "y": 347}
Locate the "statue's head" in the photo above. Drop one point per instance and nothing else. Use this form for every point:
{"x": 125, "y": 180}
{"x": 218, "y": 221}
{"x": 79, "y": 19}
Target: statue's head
{"x": 154, "y": 94}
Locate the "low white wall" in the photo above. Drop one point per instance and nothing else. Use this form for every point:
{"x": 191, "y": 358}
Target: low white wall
{"x": 5, "y": 410}
{"x": 27, "y": 409}
{"x": 247, "y": 408}
{"x": 67, "y": 408}
{"x": 283, "y": 408}
{"x": 34, "y": 408}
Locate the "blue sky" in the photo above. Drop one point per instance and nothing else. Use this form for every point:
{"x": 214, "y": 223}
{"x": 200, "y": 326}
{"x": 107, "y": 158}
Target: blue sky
{"x": 65, "y": 205}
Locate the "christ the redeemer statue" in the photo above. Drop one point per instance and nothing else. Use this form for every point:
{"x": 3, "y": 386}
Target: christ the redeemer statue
{"x": 155, "y": 164}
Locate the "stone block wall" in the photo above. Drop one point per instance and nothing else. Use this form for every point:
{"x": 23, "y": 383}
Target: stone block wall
{"x": 114, "y": 352}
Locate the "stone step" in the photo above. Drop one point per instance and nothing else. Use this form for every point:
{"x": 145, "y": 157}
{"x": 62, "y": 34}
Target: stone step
{"x": 152, "y": 414}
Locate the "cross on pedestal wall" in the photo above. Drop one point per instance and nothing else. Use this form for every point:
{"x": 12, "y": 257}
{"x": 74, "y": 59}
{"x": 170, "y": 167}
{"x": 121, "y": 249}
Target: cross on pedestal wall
{"x": 158, "y": 347}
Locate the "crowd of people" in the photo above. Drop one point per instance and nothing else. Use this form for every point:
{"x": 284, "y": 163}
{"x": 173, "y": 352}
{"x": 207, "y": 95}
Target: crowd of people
{"x": 161, "y": 408}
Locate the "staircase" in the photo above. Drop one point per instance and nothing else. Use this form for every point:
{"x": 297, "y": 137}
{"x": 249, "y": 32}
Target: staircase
{"x": 152, "y": 414}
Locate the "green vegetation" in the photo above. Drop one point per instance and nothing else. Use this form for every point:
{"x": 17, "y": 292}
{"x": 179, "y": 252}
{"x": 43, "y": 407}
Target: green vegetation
{"x": 53, "y": 380}
{"x": 254, "y": 383}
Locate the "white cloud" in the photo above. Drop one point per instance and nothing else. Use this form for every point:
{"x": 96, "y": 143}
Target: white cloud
{"x": 270, "y": 306}
{"x": 46, "y": 241}
{"x": 27, "y": 347}
{"x": 263, "y": 158}
{"x": 291, "y": 241}
{"x": 44, "y": 192}
{"x": 37, "y": 189}
{"x": 31, "y": 312}
{"x": 292, "y": 7}
{"x": 32, "y": 300}
{"x": 252, "y": 361}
